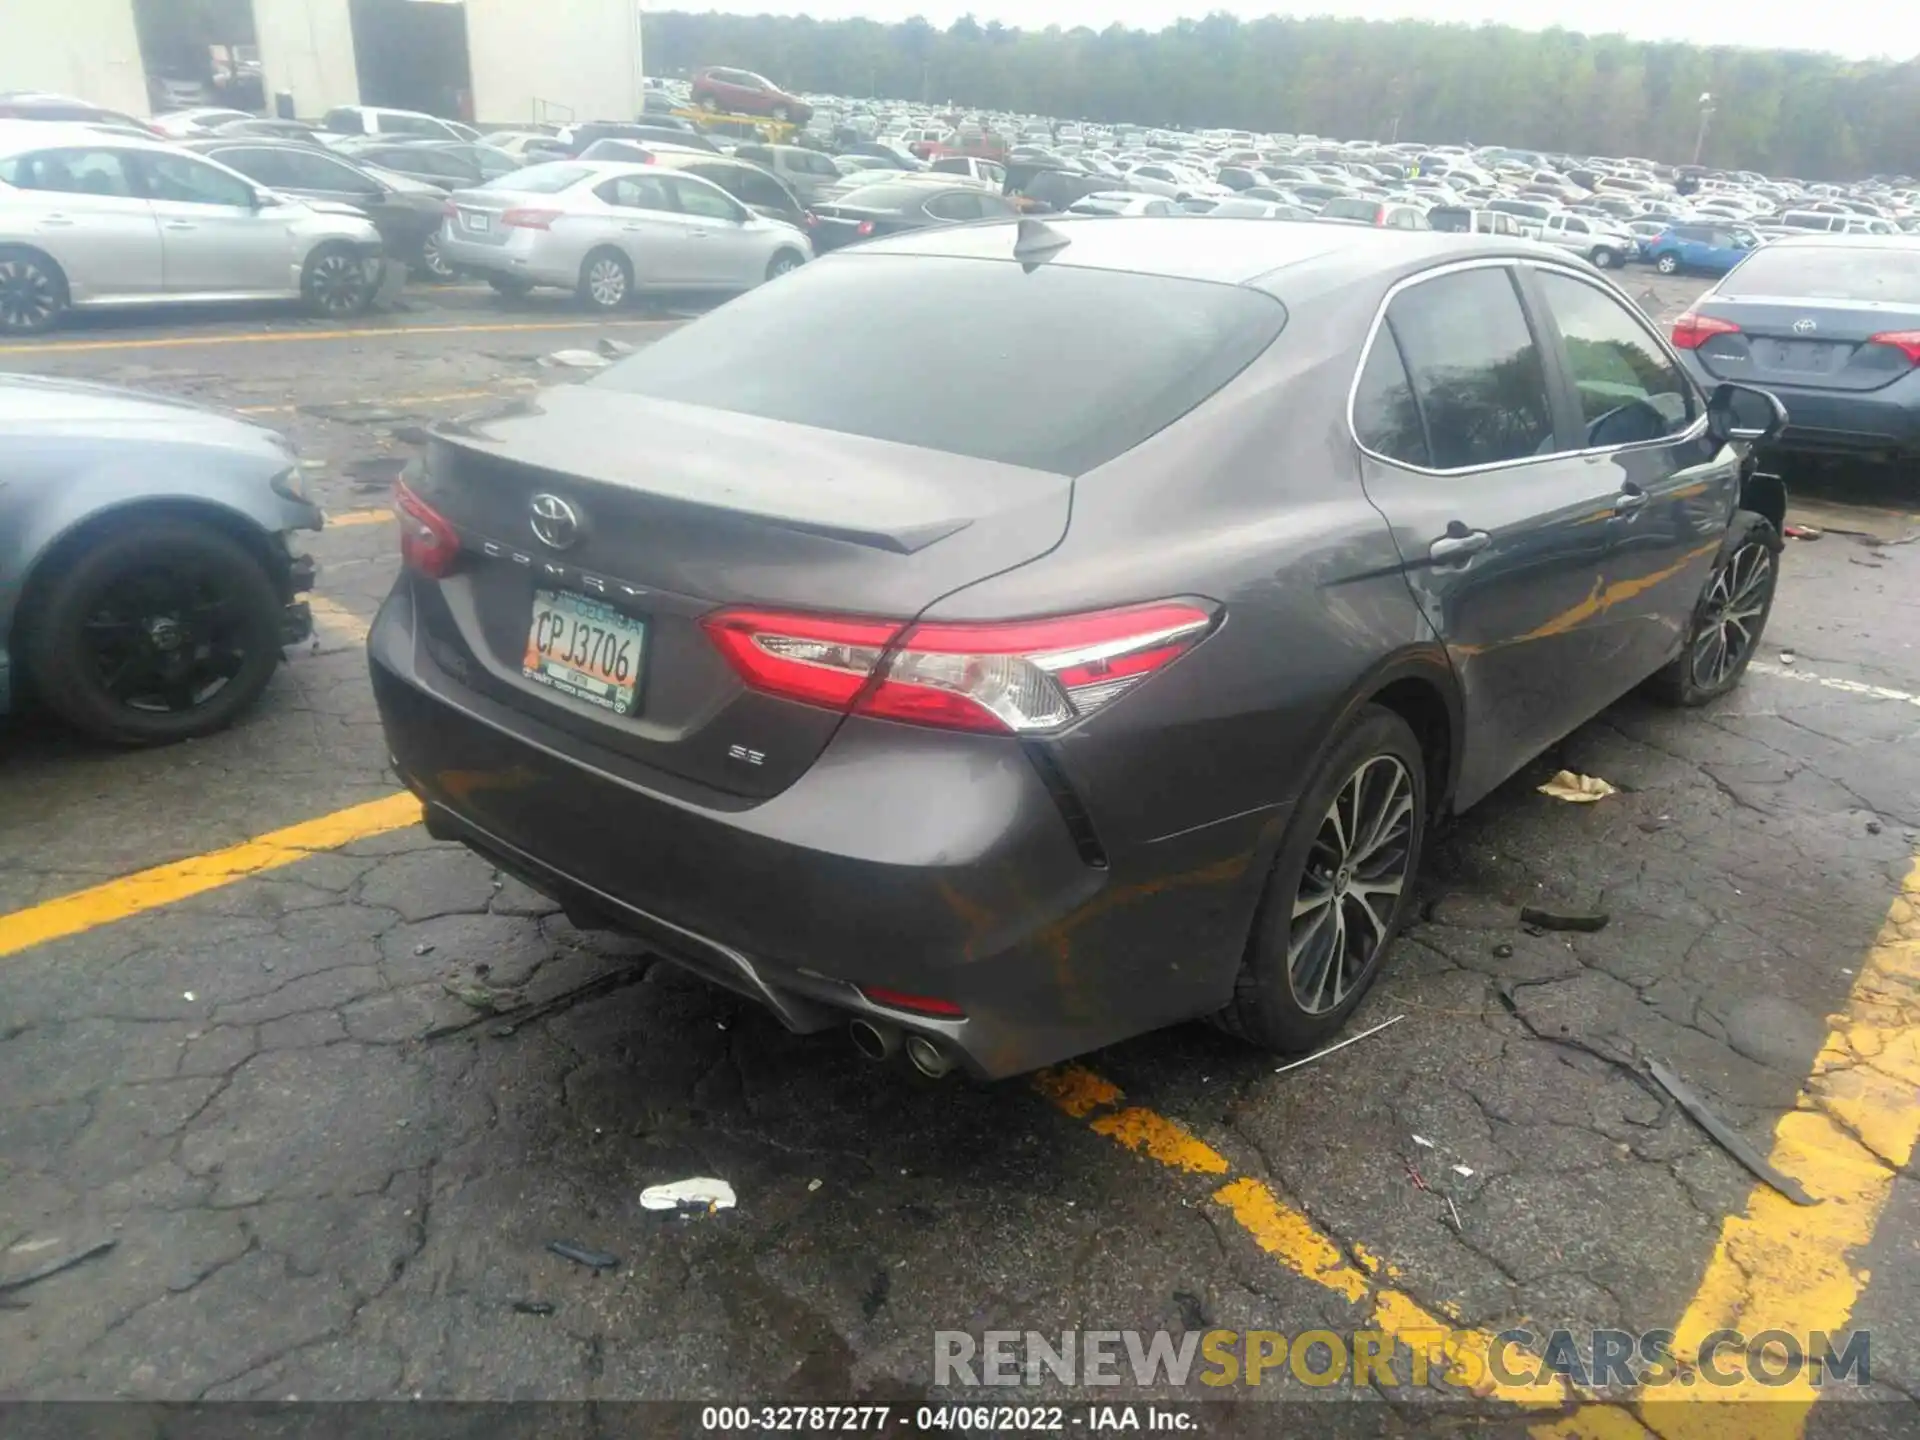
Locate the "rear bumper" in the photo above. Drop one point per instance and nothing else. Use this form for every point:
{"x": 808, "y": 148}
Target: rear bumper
{"x": 1881, "y": 423}
{"x": 923, "y": 862}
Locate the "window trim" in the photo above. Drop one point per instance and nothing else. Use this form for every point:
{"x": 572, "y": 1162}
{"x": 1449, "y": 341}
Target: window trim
{"x": 1521, "y": 268}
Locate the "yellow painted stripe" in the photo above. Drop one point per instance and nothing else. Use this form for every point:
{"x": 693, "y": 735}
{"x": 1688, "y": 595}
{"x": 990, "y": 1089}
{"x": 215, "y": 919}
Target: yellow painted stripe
{"x": 358, "y": 517}
{"x": 393, "y": 402}
{"x": 1307, "y": 1251}
{"x": 165, "y": 884}
{"x": 1781, "y": 1266}
{"x": 337, "y": 621}
{"x": 294, "y": 337}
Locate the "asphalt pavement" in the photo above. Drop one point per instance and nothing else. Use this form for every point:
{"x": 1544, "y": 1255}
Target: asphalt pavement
{"x": 333, "y": 1088}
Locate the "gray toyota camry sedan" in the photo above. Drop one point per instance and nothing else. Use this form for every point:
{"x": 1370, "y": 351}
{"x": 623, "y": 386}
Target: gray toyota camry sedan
{"x": 1006, "y": 639}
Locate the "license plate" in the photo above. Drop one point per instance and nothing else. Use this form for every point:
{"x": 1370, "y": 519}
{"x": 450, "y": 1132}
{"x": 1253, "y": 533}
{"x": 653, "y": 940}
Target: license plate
{"x": 479, "y": 220}
{"x": 584, "y": 648}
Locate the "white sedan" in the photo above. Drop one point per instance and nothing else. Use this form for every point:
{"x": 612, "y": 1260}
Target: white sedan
{"x": 611, "y": 230}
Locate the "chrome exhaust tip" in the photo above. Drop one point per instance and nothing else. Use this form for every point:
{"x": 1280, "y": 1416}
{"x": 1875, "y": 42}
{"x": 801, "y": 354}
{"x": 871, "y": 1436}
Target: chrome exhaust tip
{"x": 876, "y": 1042}
{"x": 927, "y": 1057}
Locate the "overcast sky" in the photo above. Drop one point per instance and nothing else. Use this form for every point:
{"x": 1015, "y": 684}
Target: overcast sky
{"x": 1856, "y": 28}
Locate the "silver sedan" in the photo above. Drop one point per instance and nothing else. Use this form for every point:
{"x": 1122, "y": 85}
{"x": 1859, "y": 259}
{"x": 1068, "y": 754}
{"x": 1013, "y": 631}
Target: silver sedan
{"x": 611, "y": 230}
{"x": 89, "y": 219}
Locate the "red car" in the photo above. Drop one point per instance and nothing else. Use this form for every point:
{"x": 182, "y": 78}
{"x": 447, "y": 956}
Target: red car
{"x": 741, "y": 92}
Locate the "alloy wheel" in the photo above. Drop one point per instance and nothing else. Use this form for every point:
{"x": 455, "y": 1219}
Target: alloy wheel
{"x": 1735, "y": 602}
{"x": 606, "y": 282}
{"x": 164, "y": 640}
{"x": 781, "y": 265}
{"x": 1354, "y": 876}
{"x": 29, "y": 296}
{"x": 338, "y": 283}
{"x": 434, "y": 262}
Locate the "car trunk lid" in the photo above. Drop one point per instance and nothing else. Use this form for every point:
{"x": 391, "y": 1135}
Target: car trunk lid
{"x": 1823, "y": 344}
{"x": 678, "y": 511}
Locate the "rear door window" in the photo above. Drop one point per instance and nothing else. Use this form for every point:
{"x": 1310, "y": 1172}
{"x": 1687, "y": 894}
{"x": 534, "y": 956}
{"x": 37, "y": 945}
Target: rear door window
{"x": 1628, "y": 389}
{"x": 1478, "y": 375}
{"x": 1105, "y": 359}
{"x": 637, "y": 192}
{"x": 1386, "y": 418}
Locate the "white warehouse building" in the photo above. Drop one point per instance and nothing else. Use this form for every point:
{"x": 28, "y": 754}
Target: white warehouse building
{"x": 491, "y": 61}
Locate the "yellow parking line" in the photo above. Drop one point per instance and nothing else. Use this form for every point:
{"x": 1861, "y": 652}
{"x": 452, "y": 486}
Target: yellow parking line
{"x": 1781, "y": 1266}
{"x": 395, "y": 402}
{"x": 337, "y": 621}
{"x": 290, "y": 337}
{"x": 1303, "y": 1248}
{"x": 165, "y": 884}
{"x": 358, "y": 517}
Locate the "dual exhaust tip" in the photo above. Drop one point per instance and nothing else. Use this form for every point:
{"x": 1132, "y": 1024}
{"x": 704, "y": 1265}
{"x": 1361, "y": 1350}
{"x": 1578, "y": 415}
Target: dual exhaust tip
{"x": 878, "y": 1040}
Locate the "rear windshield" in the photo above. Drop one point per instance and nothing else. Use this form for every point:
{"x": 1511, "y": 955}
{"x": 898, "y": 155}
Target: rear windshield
{"x": 1060, "y": 369}
{"x": 1829, "y": 272}
{"x": 887, "y": 195}
{"x": 539, "y": 179}
{"x": 1343, "y": 209}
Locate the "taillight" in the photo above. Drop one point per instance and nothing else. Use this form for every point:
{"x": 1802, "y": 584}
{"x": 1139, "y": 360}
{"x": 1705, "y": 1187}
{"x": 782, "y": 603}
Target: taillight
{"x": 529, "y": 219}
{"x": 865, "y": 227}
{"x": 450, "y": 210}
{"x": 1907, "y": 342}
{"x": 918, "y": 1004}
{"x": 428, "y": 543}
{"x": 809, "y": 219}
{"x": 1016, "y": 677}
{"x": 1691, "y": 331}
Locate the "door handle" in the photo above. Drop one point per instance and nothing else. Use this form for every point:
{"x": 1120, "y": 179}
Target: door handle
{"x": 1458, "y": 543}
{"x": 58, "y": 220}
{"x": 1630, "y": 498}
{"x": 636, "y": 227}
{"x": 699, "y": 234}
{"x": 180, "y": 225}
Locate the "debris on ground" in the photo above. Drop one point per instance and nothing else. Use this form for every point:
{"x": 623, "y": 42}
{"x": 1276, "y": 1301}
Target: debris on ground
{"x": 423, "y": 949}
{"x": 1787, "y": 657}
{"x": 1423, "y": 1141}
{"x": 483, "y": 998}
{"x": 594, "y": 1260}
{"x": 614, "y": 349}
{"x": 533, "y": 1307}
{"x": 1503, "y": 951}
{"x": 1563, "y": 920}
{"x": 702, "y": 1192}
{"x": 1873, "y": 827}
{"x": 54, "y": 1267}
{"x": 1350, "y": 1040}
{"x": 1725, "y": 1136}
{"x": 812, "y": 1185}
{"x": 575, "y": 360}
{"x": 1580, "y": 789}
{"x": 1802, "y": 532}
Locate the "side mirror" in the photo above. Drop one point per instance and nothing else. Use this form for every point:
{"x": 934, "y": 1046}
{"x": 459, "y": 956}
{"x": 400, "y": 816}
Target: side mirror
{"x": 1743, "y": 412}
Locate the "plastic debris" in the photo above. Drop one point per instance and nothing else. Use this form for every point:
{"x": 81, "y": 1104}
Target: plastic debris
{"x": 55, "y": 1267}
{"x": 812, "y": 1185}
{"x": 1465, "y": 1172}
{"x": 614, "y": 349}
{"x": 702, "y": 1192}
{"x": 1579, "y": 789}
{"x": 533, "y": 1307}
{"x": 1422, "y": 1140}
{"x": 483, "y": 998}
{"x": 1787, "y": 657}
{"x": 1562, "y": 920}
{"x": 575, "y": 360}
{"x": 1725, "y": 1136}
{"x": 1503, "y": 951}
{"x": 1319, "y": 1054}
{"x": 1802, "y": 532}
{"x": 595, "y": 1260}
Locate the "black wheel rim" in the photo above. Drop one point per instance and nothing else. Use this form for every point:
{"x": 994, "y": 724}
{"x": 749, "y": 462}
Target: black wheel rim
{"x": 339, "y": 282}
{"x": 1735, "y": 603}
{"x": 164, "y": 639}
{"x": 29, "y": 297}
{"x": 1354, "y": 877}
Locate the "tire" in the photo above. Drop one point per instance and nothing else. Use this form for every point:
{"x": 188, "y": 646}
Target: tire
{"x": 1734, "y": 607}
{"x": 1378, "y": 750}
{"x": 432, "y": 263}
{"x": 111, "y": 580}
{"x": 1668, "y": 264}
{"x": 33, "y": 292}
{"x": 511, "y": 287}
{"x": 783, "y": 262}
{"x": 335, "y": 284}
{"x": 606, "y": 281}
{"x": 1603, "y": 258}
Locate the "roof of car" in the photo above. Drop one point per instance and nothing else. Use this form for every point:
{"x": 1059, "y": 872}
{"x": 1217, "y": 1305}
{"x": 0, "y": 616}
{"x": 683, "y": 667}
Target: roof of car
{"x": 18, "y": 136}
{"x": 1232, "y": 251}
{"x": 1848, "y": 239}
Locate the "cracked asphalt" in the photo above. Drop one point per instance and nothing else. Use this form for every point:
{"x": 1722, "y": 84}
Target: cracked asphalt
{"x": 333, "y": 1112}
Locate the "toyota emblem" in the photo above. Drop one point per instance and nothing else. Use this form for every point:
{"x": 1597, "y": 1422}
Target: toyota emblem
{"x": 556, "y": 524}
{"x": 1804, "y": 327}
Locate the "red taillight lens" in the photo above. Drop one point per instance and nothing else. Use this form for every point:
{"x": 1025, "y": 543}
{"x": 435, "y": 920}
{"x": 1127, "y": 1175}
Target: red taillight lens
{"x": 865, "y": 227}
{"x": 1905, "y": 341}
{"x": 429, "y": 545}
{"x": 529, "y": 219}
{"x": 1004, "y": 678}
{"x": 918, "y": 1004}
{"x": 450, "y": 210}
{"x": 1691, "y": 331}
{"x": 809, "y": 219}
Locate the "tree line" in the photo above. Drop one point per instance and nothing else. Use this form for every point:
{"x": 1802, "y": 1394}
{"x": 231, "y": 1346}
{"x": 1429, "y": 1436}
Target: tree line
{"x": 1783, "y": 113}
